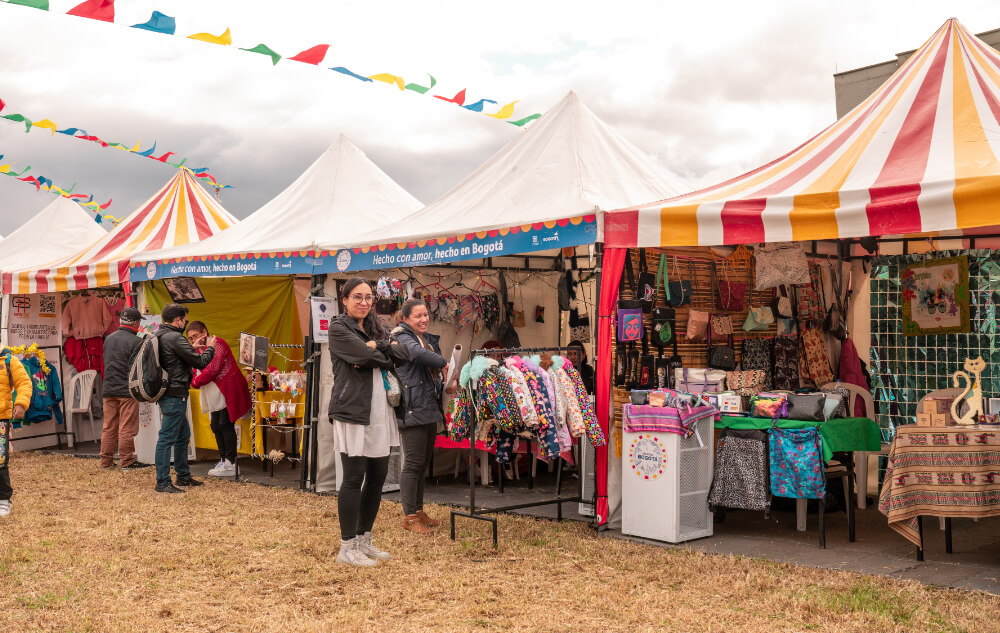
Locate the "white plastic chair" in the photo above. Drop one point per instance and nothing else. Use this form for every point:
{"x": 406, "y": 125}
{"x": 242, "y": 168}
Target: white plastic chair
{"x": 860, "y": 457}
{"x": 81, "y": 391}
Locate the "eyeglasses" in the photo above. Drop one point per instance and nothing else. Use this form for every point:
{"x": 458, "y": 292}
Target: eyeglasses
{"x": 362, "y": 298}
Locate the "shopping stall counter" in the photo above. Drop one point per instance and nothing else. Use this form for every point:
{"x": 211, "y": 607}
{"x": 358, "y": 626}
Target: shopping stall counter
{"x": 204, "y": 438}
{"x": 942, "y": 472}
{"x": 839, "y": 434}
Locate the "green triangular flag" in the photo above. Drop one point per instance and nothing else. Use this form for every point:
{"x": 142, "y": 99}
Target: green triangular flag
{"x": 521, "y": 122}
{"x": 264, "y": 50}
{"x": 34, "y": 4}
{"x": 422, "y": 89}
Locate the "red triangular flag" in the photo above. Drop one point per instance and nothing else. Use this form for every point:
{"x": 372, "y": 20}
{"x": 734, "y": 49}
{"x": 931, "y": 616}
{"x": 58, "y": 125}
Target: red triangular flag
{"x": 164, "y": 158}
{"x": 459, "y": 98}
{"x": 313, "y": 55}
{"x": 103, "y": 10}
{"x": 2, "y": 105}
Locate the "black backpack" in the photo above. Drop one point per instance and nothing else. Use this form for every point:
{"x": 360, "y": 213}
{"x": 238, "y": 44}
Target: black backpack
{"x": 147, "y": 379}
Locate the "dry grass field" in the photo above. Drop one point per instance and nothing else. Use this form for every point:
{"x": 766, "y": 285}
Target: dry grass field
{"x": 86, "y": 550}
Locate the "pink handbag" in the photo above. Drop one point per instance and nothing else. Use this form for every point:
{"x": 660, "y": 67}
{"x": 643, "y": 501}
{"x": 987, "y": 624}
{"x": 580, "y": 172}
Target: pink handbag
{"x": 697, "y": 326}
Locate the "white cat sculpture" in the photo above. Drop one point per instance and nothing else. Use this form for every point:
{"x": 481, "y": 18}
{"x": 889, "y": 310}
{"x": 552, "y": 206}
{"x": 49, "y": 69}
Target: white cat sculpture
{"x": 975, "y": 400}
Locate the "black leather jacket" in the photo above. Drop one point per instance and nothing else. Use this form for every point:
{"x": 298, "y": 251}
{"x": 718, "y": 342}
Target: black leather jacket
{"x": 353, "y": 361}
{"x": 420, "y": 378}
{"x": 178, "y": 357}
{"x": 119, "y": 352}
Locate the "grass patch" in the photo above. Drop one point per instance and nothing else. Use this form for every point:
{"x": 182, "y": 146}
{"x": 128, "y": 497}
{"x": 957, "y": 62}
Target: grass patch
{"x": 91, "y": 550}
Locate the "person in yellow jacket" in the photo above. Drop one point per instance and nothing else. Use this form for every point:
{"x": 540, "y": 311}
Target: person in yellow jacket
{"x": 15, "y": 396}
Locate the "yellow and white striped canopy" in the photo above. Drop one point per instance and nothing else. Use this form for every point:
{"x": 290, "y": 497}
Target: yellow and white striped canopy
{"x": 919, "y": 155}
{"x": 179, "y": 213}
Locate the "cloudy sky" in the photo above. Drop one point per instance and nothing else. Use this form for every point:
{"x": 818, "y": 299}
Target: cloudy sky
{"x": 709, "y": 89}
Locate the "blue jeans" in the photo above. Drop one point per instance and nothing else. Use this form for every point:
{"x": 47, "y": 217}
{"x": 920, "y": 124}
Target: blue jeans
{"x": 174, "y": 434}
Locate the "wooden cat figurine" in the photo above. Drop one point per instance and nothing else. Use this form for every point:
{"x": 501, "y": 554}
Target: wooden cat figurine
{"x": 975, "y": 400}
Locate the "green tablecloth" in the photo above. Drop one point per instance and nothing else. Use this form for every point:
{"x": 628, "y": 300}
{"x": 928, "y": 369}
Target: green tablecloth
{"x": 839, "y": 434}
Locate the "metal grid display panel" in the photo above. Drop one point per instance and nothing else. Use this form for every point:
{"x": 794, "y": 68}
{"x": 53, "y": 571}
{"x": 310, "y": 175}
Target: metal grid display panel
{"x": 905, "y": 368}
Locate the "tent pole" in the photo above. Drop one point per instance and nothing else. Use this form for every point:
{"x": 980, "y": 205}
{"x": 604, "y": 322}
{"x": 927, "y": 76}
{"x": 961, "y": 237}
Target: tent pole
{"x": 310, "y": 442}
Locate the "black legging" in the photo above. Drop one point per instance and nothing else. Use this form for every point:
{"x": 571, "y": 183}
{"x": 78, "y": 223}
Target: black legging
{"x": 358, "y": 504}
{"x": 418, "y": 449}
{"x": 225, "y": 434}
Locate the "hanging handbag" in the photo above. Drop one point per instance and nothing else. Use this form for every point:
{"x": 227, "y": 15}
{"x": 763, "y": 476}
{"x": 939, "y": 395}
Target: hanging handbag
{"x": 664, "y": 367}
{"x": 638, "y": 396}
{"x": 780, "y": 263}
{"x": 809, "y": 297}
{"x": 757, "y": 353}
{"x": 741, "y": 471}
{"x": 646, "y": 286}
{"x": 647, "y": 378}
{"x": 786, "y": 363}
{"x": 758, "y": 319}
{"x": 787, "y": 327}
{"x": 771, "y": 406}
{"x": 835, "y": 322}
{"x": 796, "y": 461}
{"x": 629, "y": 313}
{"x": 633, "y": 358}
{"x": 817, "y": 361}
{"x": 517, "y": 316}
{"x": 681, "y": 292}
{"x": 621, "y": 366}
{"x": 721, "y": 324}
{"x": 392, "y": 391}
{"x": 721, "y": 356}
{"x": 731, "y": 293}
{"x": 783, "y": 303}
{"x": 697, "y": 325}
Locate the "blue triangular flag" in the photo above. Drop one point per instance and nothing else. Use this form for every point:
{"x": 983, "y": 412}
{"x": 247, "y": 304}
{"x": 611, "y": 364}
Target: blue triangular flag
{"x": 158, "y": 23}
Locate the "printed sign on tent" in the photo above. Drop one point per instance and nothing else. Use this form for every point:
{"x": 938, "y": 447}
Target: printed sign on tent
{"x": 35, "y": 319}
{"x": 253, "y": 351}
{"x": 322, "y": 309}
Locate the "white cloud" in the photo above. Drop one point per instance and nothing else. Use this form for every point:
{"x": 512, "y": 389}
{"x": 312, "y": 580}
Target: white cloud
{"x": 710, "y": 89}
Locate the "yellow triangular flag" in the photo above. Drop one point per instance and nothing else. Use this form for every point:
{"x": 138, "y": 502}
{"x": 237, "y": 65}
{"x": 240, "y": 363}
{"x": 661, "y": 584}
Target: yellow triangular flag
{"x": 389, "y": 79}
{"x": 136, "y": 148}
{"x": 5, "y": 169}
{"x": 505, "y": 112}
{"x": 226, "y": 39}
{"x": 49, "y": 125}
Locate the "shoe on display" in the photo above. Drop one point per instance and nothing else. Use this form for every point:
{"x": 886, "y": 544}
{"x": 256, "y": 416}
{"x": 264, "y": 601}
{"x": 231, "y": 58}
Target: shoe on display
{"x": 366, "y": 545}
{"x": 188, "y": 481}
{"x": 5, "y": 506}
{"x": 135, "y": 466}
{"x": 351, "y": 554}
{"x": 167, "y": 488}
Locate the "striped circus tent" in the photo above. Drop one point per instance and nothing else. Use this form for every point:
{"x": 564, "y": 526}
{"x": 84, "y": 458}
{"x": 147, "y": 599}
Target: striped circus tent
{"x": 919, "y": 155}
{"x": 179, "y": 213}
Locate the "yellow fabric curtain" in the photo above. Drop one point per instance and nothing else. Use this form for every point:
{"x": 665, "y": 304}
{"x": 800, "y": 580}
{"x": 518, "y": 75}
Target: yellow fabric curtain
{"x": 263, "y": 306}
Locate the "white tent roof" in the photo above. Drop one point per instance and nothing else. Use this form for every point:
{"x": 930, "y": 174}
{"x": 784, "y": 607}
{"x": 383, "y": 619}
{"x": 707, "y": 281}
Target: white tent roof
{"x": 61, "y": 229}
{"x": 567, "y": 164}
{"x": 340, "y": 194}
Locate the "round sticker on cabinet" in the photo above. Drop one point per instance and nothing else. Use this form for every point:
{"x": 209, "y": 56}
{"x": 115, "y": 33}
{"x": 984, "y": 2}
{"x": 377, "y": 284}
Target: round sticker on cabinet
{"x": 647, "y": 457}
{"x": 343, "y": 260}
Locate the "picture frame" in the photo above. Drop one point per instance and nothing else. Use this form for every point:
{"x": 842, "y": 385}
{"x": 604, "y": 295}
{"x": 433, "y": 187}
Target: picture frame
{"x": 935, "y": 296}
{"x": 184, "y": 290}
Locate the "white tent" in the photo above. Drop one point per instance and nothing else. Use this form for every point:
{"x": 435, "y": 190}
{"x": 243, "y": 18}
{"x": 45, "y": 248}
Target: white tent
{"x": 567, "y": 164}
{"x": 325, "y": 204}
{"x": 60, "y": 229}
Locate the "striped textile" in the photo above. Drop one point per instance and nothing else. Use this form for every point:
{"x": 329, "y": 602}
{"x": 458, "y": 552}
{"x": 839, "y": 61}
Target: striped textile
{"x": 919, "y": 155}
{"x": 942, "y": 472}
{"x": 637, "y": 418}
{"x": 179, "y": 213}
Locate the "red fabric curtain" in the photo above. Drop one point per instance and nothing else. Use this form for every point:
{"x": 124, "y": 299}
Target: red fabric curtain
{"x": 611, "y": 274}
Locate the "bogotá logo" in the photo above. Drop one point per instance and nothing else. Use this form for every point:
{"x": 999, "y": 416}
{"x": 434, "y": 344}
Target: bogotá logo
{"x": 150, "y": 270}
{"x": 647, "y": 457}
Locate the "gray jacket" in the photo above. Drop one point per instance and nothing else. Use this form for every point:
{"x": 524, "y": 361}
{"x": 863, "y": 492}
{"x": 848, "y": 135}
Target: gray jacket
{"x": 420, "y": 378}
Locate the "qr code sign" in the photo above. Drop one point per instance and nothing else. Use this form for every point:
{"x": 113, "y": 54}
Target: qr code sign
{"x": 47, "y": 305}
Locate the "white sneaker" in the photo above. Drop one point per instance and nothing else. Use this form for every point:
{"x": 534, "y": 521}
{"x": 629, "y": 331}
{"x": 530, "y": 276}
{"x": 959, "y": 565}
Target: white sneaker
{"x": 351, "y": 554}
{"x": 219, "y": 470}
{"x": 5, "y": 507}
{"x": 365, "y": 545}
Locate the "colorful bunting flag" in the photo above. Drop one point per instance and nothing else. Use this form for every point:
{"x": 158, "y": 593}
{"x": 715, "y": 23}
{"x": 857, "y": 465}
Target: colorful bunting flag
{"x": 312, "y": 55}
{"x": 103, "y": 10}
{"x": 158, "y": 23}
{"x": 505, "y": 112}
{"x": 458, "y": 98}
{"x": 226, "y": 39}
{"x": 34, "y": 4}
{"x": 422, "y": 89}
{"x": 263, "y": 49}
{"x": 390, "y": 79}
{"x": 478, "y": 106}
{"x": 344, "y": 71}
{"x": 42, "y": 183}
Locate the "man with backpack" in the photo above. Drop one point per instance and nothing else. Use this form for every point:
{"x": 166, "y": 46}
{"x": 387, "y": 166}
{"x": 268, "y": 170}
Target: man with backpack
{"x": 121, "y": 411}
{"x": 15, "y": 396}
{"x": 177, "y": 358}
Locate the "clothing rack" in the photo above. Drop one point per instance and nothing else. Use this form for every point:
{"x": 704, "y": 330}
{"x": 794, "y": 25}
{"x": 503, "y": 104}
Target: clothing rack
{"x": 62, "y": 405}
{"x": 479, "y": 514}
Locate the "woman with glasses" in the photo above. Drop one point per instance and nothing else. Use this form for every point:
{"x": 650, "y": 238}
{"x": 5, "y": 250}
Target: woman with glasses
{"x": 364, "y": 424}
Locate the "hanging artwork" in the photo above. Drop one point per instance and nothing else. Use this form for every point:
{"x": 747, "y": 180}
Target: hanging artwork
{"x": 936, "y": 296}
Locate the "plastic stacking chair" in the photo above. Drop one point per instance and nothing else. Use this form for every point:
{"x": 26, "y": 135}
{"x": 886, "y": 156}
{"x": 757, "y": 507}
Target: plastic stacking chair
{"x": 81, "y": 391}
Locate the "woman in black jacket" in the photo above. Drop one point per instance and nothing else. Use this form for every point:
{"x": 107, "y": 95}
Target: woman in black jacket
{"x": 421, "y": 378}
{"x": 364, "y": 428}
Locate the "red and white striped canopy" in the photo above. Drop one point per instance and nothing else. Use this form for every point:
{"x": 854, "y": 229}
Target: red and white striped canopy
{"x": 919, "y": 155}
{"x": 179, "y": 213}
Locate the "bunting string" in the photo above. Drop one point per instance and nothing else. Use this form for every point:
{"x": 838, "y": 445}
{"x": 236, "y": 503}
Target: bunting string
{"x": 42, "y": 183}
{"x": 46, "y": 124}
{"x": 104, "y": 11}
